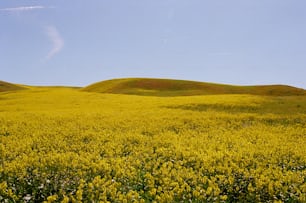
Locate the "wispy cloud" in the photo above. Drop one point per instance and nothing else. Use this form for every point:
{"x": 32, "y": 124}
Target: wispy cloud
{"x": 24, "y": 8}
{"x": 56, "y": 39}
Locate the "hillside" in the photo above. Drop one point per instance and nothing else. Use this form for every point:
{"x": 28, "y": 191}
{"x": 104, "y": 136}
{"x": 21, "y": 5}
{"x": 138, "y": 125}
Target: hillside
{"x": 5, "y": 86}
{"x": 168, "y": 87}
{"x": 126, "y": 148}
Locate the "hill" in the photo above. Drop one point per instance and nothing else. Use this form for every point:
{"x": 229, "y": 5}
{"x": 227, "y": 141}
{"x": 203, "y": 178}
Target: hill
{"x": 168, "y": 87}
{"x": 5, "y": 86}
{"x": 126, "y": 148}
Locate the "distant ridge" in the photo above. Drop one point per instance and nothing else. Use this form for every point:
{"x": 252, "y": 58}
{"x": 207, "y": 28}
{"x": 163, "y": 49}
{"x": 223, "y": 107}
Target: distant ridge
{"x": 5, "y": 86}
{"x": 169, "y": 87}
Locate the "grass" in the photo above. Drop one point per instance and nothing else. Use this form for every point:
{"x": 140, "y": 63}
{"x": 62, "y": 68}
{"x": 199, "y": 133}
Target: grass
{"x": 5, "y": 87}
{"x": 167, "y": 87}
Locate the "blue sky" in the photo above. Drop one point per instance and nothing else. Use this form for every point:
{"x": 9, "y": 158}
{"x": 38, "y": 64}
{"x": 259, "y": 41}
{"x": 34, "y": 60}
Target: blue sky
{"x": 74, "y": 42}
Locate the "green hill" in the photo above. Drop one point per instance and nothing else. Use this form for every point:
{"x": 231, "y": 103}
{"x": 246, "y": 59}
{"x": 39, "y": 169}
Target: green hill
{"x": 5, "y": 86}
{"x": 168, "y": 87}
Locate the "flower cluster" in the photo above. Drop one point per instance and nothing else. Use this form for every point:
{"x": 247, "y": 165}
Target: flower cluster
{"x": 63, "y": 145}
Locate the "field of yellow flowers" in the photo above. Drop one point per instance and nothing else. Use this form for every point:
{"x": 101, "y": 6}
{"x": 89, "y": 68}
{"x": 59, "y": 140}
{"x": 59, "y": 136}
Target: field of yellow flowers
{"x": 65, "y": 145}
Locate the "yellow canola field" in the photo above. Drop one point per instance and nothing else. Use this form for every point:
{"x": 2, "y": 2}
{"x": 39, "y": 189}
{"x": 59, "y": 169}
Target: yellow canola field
{"x": 64, "y": 145}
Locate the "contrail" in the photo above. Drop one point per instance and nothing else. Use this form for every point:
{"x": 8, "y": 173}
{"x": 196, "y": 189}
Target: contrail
{"x": 23, "y": 8}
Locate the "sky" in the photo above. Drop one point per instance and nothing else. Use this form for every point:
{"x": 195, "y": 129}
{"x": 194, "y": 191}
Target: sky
{"x": 77, "y": 42}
